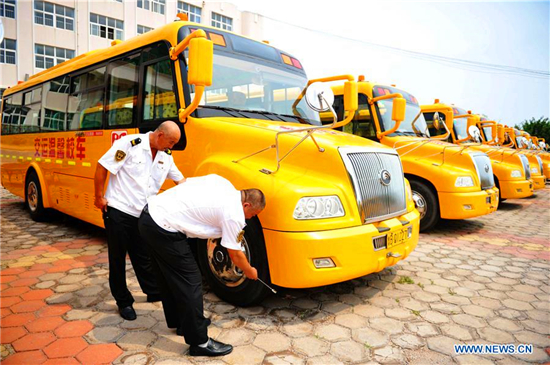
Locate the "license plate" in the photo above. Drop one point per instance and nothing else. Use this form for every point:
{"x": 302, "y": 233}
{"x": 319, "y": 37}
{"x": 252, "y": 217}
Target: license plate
{"x": 397, "y": 237}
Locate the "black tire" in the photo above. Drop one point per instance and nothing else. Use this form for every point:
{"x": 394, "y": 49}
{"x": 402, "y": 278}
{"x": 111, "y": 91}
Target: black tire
{"x": 497, "y": 184}
{"x": 236, "y": 290}
{"x": 422, "y": 193}
{"x": 33, "y": 198}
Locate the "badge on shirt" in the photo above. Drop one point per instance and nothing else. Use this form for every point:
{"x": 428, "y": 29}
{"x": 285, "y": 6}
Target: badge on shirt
{"x": 119, "y": 156}
{"x": 240, "y": 236}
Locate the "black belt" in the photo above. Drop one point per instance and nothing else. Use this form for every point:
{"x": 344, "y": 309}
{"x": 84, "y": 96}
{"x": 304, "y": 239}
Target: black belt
{"x": 146, "y": 208}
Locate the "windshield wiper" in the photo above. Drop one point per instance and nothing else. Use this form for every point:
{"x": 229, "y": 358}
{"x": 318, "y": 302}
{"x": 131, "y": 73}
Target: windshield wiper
{"x": 231, "y": 111}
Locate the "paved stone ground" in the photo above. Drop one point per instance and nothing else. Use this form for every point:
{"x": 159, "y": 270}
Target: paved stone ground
{"x": 482, "y": 281}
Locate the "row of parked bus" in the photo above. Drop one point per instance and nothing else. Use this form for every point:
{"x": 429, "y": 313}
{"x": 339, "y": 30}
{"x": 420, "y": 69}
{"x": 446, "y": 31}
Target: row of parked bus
{"x": 351, "y": 170}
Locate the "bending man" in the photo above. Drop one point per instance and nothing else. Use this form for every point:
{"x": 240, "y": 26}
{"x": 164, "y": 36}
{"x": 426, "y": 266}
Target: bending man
{"x": 203, "y": 207}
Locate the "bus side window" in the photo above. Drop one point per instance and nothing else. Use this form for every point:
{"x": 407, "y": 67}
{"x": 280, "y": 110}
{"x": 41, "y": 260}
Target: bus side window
{"x": 54, "y": 104}
{"x": 7, "y": 109}
{"x": 123, "y": 89}
{"x": 30, "y": 115}
{"x": 159, "y": 98}
{"x": 86, "y": 102}
{"x": 15, "y": 110}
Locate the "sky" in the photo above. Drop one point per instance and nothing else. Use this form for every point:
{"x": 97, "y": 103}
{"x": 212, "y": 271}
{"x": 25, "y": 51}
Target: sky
{"x": 510, "y": 39}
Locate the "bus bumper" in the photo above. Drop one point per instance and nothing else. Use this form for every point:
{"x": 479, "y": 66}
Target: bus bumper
{"x": 468, "y": 205}
{"x": 516, "y": 189}
{"x": 539, "y": 181}
{"x": 291, "y": 254}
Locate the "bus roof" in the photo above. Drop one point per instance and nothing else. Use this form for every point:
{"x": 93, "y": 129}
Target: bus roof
{"x": 168, "y": 32}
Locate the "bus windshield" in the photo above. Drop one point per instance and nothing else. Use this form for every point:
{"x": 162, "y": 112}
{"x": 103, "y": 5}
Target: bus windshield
{"x": 460, "y": 125}
{"x": 257, "y": 88}
{"x": 414, "y": 123}
{"x": 253, "y": 80}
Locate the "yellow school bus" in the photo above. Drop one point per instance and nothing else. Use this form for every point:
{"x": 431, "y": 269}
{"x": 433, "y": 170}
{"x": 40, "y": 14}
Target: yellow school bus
{"x": 511, "y": 170}
{"x": 521, "y": 141}
{"x": 488, "y": 132}
{"x": 338, "y": 206}
{"x": 447, "y": 181}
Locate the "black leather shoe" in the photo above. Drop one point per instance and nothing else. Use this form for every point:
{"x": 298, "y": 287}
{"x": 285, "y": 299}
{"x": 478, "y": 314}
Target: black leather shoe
{"x": 154, "y": 298}
{"x": 214, "y": 348}
{"x": 179, "y": 330}
{"x": 128, "y": 313}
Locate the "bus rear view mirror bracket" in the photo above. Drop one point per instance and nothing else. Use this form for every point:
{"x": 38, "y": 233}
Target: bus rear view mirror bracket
{"x": 200, "y": 66}
{"x": 398, "y": 112}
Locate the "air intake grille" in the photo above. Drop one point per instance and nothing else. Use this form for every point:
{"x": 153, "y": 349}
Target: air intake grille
{"x": 484, "y": 171}
{"x": 378, "y": 182}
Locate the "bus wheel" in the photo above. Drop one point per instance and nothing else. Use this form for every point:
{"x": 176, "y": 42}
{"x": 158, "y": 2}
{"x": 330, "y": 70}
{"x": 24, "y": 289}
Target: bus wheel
{"x": 426, "y": 202}
{"x": 226, "y": 280}
{"x": 33, "y": 197}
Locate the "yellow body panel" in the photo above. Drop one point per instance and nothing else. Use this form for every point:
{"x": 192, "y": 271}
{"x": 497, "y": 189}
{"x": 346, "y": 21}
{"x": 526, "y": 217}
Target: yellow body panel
{"x": 213, "y": 144}
{"x": 468, "y": 205}
{"x": 348, "y": 248}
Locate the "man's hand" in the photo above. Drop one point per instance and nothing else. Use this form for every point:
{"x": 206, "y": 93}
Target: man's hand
{"x": 251, "y": 273}
{"x": 101, "y": 203}
{"x": 239, "y": 259}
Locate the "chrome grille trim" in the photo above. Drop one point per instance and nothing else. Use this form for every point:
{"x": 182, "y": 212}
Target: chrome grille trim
{"x": 486, "y": 179}
{"x": 541, "y": 166}
{"x": 375, "y": 200}
{"x": 525, "y": 164}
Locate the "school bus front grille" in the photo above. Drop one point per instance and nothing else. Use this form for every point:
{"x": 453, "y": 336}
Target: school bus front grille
{"x": 378, "y": 183}
{"x": 484, "y": 171}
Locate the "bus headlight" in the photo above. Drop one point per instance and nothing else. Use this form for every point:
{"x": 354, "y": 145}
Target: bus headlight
{"x": 464, "y": 182}
{"x": 516, "y": 173}
{"x": 316, "y": 207}
{"x": 534, "y": 170}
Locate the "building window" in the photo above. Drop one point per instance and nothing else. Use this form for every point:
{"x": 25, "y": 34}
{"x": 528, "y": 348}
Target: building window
{"x": 50, "y": 14}
{"x": 222, "y": 22}
{"x": 105, "y": 27}
{"x": 154, "y": 5}
{"x": 143, "y": 29}
{"x": 7, "y": 8}
{"x": 48, "y": 56}
{"x": 193, "y": 12}
{"x": 7, "y": 51}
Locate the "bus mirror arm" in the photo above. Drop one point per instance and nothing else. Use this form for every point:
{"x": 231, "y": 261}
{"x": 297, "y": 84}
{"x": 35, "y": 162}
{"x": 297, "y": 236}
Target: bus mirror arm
{"x": 181, "y": 46}
{"x": 379, "y": 135}
{"x": 185, "y": 112}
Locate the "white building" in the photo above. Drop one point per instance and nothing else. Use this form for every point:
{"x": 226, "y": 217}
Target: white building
{"x": 40, "y": 34}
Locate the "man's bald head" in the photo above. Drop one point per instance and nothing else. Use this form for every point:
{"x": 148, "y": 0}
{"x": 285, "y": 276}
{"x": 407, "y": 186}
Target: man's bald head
{"x": 169, "y": 129}
{"x": 165, "y": 136}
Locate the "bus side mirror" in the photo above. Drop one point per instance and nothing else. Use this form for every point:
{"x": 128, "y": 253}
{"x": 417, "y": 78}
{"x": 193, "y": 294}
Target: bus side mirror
{"x": 351, "y": 100}
{"x": 201, "y": 62}
{"x": 398, "y": 110}
{"x": 501, "y": 134}
{"x": 471, "y": 121}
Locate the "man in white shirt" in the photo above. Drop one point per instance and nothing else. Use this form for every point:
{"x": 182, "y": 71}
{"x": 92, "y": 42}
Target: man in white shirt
{"x": 139, "y": 164}
{"x": 204, "y": 207}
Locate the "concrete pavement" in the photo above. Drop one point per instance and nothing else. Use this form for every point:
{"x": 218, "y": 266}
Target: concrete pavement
{"x": 479, "y": 281}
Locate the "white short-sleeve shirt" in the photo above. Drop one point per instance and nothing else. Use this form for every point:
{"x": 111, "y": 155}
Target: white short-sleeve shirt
{"x": 204, "y": 207}
{"x": 134, "y": 174}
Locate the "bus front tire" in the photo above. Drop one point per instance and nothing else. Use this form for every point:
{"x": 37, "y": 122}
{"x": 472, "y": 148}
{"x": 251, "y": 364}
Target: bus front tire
{"x": 427, "y": 204}
{"x": 33, "y": 198}
{"x": 227, "y": 281}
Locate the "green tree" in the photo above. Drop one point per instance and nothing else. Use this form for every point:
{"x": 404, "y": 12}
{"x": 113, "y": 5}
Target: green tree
{"x": 537, "y": 127}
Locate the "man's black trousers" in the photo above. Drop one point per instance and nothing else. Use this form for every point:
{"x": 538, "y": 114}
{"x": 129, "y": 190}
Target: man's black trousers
{"x": 179, "y": 279}
{"x": 123, "y": 237}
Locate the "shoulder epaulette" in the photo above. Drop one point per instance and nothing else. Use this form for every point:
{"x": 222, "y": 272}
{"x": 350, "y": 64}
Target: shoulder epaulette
{"x": 135, "y": 142}
{"x": 168, "y": 151}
